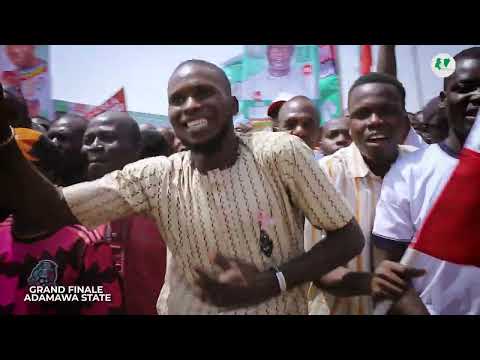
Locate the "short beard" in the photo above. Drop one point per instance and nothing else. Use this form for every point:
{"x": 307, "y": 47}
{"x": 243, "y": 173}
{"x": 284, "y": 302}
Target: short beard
{"x": 212, "y": 146}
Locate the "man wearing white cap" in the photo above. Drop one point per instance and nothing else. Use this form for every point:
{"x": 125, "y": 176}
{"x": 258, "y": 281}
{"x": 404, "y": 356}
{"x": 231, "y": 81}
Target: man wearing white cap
{"x": 275, "y": 106}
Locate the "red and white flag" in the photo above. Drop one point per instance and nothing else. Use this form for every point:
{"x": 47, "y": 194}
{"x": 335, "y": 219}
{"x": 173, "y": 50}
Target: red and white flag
{"x": 115, "y": 103}
{"x": 365, "y": 59}
{"x": 448, "y": 243}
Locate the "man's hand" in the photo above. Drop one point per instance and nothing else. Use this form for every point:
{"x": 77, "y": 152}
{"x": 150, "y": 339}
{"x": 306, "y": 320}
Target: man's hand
{"x": 238, "y": 285}
{"x": 391, "y": 280}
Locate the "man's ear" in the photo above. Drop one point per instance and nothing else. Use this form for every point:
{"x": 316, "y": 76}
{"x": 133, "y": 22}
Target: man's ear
{"x": 235, "y": 105}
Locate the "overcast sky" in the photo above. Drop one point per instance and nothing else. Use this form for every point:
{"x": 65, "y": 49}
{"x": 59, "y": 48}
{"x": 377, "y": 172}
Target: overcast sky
{"x": 91, "y": 73}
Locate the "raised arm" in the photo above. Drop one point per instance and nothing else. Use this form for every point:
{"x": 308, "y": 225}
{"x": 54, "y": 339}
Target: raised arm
{"x": 24, "y": 191}
{"x": 38, "y": 206}
{"x": 387, "y": 62}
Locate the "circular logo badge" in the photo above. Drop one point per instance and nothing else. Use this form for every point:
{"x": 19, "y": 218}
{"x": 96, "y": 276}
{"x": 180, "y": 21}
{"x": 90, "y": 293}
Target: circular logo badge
{"x": 443, "y": 65}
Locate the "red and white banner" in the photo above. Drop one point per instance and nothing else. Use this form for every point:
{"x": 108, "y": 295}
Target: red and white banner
{"x": 448, "y": 243}
{"x": 115, "y": 103}
{"x": 365, "y": 59}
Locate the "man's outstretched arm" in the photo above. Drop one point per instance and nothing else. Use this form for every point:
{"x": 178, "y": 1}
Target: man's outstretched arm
{"x": 41, "y": 207}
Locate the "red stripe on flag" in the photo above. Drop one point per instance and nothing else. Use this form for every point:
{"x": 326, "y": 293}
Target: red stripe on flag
{"x": 365, "y": 59}
{"x": 115, "y": 103}
{"x": 451, "y": 231}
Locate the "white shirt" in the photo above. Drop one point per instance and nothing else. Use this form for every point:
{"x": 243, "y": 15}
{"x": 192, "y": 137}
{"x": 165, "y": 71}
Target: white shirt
{"x": 409, "y": 190}
{"x": 413, "y": 139}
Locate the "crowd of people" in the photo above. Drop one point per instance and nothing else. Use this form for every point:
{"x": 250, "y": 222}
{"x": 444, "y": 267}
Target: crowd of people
{"x": 206, "y": 218}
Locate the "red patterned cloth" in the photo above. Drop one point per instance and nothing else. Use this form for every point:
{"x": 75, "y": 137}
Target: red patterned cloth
{"x": 140, "y": 257}
{"x": 72, "y": 256}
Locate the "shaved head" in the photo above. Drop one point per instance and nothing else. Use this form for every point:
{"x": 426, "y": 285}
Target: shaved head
{"x": 190, "y": 67}
{"x": 67, "y": 134}
{"x": 296, "y": 104}
{"x": 334, "y": 135}
{"x": 201, "y": 106}
{"x": 74, "y": 121}
{"x": 155, "y": 142}
{"x": 144, "y": 127}
{"x": 112, "y": 140}
{"x": 123, "y": 122}
{"x": 335, "y": 123}
{"x": 299, "y": 117}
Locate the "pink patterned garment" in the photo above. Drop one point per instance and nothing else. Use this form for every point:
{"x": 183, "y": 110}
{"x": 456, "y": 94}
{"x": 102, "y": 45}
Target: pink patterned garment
{"x": 73, "y": 256}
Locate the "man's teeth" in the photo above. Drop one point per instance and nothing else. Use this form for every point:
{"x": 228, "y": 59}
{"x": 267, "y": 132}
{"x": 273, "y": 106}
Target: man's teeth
{"x": 197, "y": 123}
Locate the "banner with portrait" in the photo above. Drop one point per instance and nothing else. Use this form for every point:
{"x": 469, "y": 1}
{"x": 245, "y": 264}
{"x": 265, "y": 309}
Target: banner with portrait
{"x": 263, "y": 72}
{"x": 24, "y": 71}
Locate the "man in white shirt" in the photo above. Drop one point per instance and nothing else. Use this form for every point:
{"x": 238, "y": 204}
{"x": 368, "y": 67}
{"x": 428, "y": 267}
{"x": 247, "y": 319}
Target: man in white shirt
{"x": 414, "y": 183}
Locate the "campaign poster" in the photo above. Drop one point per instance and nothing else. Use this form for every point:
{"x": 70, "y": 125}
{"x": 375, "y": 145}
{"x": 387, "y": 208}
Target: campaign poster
{"x": 24, "y": 71}
{"x": 263, "y": 72}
